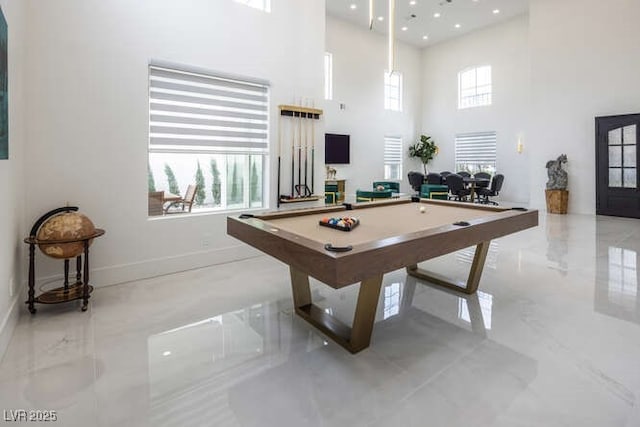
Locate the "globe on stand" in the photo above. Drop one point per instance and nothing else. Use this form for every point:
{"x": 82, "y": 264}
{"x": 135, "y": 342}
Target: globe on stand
{"x": 65, "y": 226}
{"x": 63, "y": 234}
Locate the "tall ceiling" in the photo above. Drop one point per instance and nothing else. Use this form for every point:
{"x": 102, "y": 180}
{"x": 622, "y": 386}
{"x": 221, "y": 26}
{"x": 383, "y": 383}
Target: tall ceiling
{"x": 470, "y": 15}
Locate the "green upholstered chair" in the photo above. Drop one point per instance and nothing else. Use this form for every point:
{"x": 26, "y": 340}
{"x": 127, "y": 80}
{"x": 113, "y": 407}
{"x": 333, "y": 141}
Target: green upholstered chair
{"x": 331, "y": 194}
{"x": 331, "y": 197}
{"x": 433, "y": 191}
{"x": 368, "y": 195}
{"x": 388, "y": 185}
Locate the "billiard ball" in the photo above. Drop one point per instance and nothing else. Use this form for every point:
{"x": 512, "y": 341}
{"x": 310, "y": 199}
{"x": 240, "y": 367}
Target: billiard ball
{"x": 422, "y": 209}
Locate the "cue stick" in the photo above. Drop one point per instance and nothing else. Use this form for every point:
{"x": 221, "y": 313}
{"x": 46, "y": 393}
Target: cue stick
{"x": 279, "y": 154}
{"x": 313, "y": 144}
{"x": 293, "y": 142}
{"x": 300, "y": 149}
{"x": 306, "y": 153}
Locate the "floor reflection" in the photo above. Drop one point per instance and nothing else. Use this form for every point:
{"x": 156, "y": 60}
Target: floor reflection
{"x": 557, "y": 234}
{"x": 265, "y": 366}
{"x": 484, "y": 300}
{"x": 465, "y": 256}
{"x": 619, "y": 295}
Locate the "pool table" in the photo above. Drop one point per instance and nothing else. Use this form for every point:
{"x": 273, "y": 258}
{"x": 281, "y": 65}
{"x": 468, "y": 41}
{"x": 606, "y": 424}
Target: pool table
{"x": 391, "y": 235}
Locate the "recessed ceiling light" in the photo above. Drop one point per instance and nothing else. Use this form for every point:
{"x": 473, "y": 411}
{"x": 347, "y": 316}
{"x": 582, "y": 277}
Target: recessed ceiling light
{"x": 425, "y": 37}
{"x": 436, "y": 15}
{"x": 404, "y": 28}
{"x": 412, "y": 2}
{"x": 458, "y": 25}
{"x": 166, "y": 353}
{"x": 353, "y": 6}
{"x": 380, "y": 18}
{"x": 496, "y": 11}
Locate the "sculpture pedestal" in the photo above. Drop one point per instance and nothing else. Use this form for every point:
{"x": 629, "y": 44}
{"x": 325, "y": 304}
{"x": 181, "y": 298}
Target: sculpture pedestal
{"x": 557, "y": 201}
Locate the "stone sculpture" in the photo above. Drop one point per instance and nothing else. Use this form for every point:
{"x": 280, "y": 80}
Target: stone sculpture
{"x": 558, "y": 178}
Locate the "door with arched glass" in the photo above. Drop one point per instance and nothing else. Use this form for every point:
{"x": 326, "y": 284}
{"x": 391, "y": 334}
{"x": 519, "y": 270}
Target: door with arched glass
{"x": 617, "y": 185}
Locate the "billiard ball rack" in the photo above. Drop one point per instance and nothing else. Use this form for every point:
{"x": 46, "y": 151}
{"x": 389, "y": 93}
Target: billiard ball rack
{"x": 340, "y": 223}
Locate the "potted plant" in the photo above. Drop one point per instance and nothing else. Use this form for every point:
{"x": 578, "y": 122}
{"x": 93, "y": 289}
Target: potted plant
{"x": 425, "y": 150}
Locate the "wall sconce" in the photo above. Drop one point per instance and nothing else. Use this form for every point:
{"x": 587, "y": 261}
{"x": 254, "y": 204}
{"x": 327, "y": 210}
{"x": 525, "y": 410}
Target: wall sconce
{"x": 519, "y": 145}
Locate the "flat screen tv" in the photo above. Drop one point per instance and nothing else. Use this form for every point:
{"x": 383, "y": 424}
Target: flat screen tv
{"x": 336, "y": 149}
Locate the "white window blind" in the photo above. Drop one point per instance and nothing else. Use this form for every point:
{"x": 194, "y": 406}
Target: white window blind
{"x": 207, "y": 113}
{"x": 476, "y": 152}
{"x": 392, "y": 157}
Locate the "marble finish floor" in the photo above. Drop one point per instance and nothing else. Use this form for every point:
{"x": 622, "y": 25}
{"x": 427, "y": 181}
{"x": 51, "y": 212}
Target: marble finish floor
{"x": 551, "y": 339}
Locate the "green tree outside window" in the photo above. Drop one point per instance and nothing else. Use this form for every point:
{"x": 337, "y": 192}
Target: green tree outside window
{"x": 171, "y": 178}
{"x": 200, "y": 193}
{"x": 215, "y": 186}
{"x": 150, "y": 181}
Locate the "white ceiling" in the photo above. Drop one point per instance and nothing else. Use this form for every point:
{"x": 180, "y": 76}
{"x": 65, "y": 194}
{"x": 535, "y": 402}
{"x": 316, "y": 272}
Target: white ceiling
{"x": 469, "y": 14}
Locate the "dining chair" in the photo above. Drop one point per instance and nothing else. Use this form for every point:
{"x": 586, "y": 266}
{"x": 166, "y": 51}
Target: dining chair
{"x": 483, "y": 175}
{"x": 434, "y": 178}
{"x": 492, "y": 191}
{"x": 457, "y": 188}
{"x": 416, "y": 179}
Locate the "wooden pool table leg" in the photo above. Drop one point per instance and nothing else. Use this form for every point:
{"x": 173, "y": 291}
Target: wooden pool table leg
{"x": 355, "y": 338}
{"x": 474, "y": 274}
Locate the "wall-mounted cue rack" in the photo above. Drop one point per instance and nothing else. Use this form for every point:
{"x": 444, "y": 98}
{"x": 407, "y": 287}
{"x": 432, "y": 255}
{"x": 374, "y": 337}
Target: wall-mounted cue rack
{"x": 296, "y": 126}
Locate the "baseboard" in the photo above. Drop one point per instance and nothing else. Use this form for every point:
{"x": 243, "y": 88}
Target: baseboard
{"x": 8, "y": 325}
{"x": 111, "y": 275}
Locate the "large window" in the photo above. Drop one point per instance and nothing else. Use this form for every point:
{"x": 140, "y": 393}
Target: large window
{"x": 209, "y": 130}
{"x": 258, "y": 4}
{"x": 476, "y": 152}
{"x": 392, "y": 157}
{"x": 474, "y": 87}
{"x": 393, "y": 91}
{"x": 328, "y": 76}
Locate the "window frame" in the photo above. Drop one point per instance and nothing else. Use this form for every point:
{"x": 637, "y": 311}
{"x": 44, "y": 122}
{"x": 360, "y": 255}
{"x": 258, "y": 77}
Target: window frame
{"x": 477, "y": 99}
{"x": 328, "y": 76}
{"x": 390, "y": 89}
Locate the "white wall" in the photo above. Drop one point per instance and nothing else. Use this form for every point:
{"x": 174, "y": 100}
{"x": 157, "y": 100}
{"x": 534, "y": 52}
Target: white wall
{"x": 584, "y": 63}
{"x": 88, "y": 113}
{"x": 12, "y": 187}
{"x": 505, "y": 48}
{"x": 359, "y": 63}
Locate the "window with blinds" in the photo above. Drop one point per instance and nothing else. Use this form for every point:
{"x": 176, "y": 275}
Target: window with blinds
{"x": 209, "y": 130}
{"x": 392, "y": 157}
{"x": 476, "y": 152}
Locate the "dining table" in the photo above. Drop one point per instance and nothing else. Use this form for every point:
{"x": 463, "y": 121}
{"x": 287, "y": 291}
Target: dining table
{"x": 473, "y": 183}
